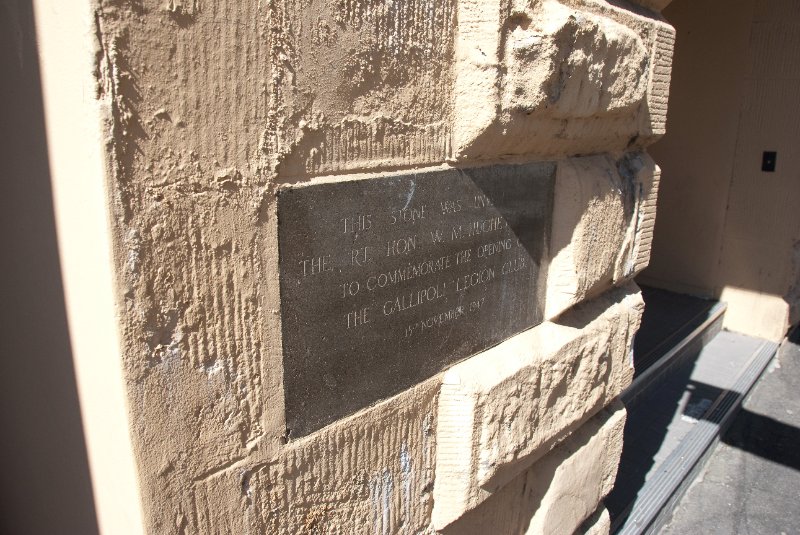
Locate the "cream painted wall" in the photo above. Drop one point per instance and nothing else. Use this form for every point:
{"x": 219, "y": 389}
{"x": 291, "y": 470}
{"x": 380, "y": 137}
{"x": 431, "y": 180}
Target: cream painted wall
{"x": 725, "y": 228}
{"x": 762, "y": 228}
{"x": 696, "y": 154}
{"x": 45, "y": 485}
{"x": 73, "y": 115}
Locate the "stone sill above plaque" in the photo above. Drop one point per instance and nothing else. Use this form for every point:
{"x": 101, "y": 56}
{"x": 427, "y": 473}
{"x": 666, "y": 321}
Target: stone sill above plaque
{"x": 387, "y": 281}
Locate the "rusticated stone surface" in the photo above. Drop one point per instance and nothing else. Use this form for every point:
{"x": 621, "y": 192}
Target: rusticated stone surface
{"x": 566, "y": 66}
{"x": 356, "y": 85}
{"x": 381, "y": 471}
{"x": 603, "y": 217}
{"x": 501, "y": 410}
{"x": 295, "y": 88}
{"x": 565, "y": 77}
{"x": 371, "y": 473}
{"x": 561, "y": 490}
{"x": 213, "y": 107}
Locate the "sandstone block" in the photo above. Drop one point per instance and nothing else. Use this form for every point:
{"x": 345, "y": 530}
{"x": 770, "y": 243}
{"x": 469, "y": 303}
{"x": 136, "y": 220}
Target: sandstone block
{"x": 602, "y": 230}
{"x": 369, "y": 473}
{"x": 561, "y": 491}
{"x": 209, "y": 106}
{"x": 502, "y": 409}
{"x": 374, "y": 471}
{"x": 564, "y": 65}
{"x": 584, "y": 478}
{"x": 563, "y": 77}
{"x": 320, "y": 86}
{"x": 381, "y": 96}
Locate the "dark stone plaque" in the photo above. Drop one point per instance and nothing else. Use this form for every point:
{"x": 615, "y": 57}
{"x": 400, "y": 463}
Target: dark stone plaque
{"x": 386, "y": 281}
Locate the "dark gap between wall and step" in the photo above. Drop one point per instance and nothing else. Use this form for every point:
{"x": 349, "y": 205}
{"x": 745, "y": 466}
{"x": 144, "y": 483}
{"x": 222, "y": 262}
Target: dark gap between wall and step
{"x": 690, "y": 380}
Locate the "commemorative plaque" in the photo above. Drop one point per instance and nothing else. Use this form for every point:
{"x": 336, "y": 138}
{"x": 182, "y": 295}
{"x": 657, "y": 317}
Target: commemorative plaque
{"x": 386, "y": 281}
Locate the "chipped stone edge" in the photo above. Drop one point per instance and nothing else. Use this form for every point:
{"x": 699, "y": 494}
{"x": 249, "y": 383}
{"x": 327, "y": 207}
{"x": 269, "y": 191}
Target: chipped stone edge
{"x": 458, "y": 487}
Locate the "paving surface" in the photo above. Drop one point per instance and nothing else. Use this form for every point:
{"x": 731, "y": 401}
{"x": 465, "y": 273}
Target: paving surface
{"x": 751, "y": 484}
{"x": 662, "y": 417}
{"x": 668, "y": 317}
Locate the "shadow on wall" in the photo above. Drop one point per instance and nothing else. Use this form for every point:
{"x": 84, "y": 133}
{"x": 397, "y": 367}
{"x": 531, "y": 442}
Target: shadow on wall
{"x": 45, "y": 487}
{"x": 727, "y": 224}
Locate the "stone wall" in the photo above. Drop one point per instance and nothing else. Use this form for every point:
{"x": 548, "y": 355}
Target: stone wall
{"x": 211, "y": 109}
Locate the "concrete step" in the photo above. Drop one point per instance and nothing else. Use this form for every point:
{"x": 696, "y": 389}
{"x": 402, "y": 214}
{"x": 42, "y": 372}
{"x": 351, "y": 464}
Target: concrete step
{"x": 677, "y": 409}
{"x": 679, "y": 347}
{"x": 751, "y": 480}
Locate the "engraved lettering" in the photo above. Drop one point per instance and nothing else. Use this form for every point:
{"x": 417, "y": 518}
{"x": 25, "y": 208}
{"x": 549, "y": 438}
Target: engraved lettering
{"x": 357, "y": 318}
{"x": 482, "y": 201}
{"x": 349, "y": 289}
{"x": 410, "y": 329}
{"x": 360, "y": 256}
{"x": 408, "y": 272}
{"x": 414, "y": 299}
{"x": 441, "y": 318}
{"x": 489, "y": 249}
{"x": 476, "y": 305}
{"x": 437, "y": 320}
{"x": 401, "y": 246}
{"x": 407, "y": 215}
{"x": 475, "y": 279}
{"x": 316, "y": 265}
{"x": 359, "y": 223}
{"x": 387, "y": 280}
{"x": 518, "y": 264}
{"x": 484, "y": 226}
{"x": 451, "y": 207}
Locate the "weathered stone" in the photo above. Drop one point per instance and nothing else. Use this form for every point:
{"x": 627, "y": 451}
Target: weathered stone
{"x": 210, "y": 108}
{"x": 565, "y": 77}
{"x": 558, "y": 493}
{"x": 501, "y": 410}
{"x": 602, "y": 231}
{"x": 565, "y": 66}
{"x": 371, "y": 473}
{"x": 381, "y": 96}
{"x": 375, "y": 470}
{"x": 583, "y": 479}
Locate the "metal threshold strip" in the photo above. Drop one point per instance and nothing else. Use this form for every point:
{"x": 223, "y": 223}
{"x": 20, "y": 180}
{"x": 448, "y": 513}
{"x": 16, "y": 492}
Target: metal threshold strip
{"x": 654, "y": 503}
